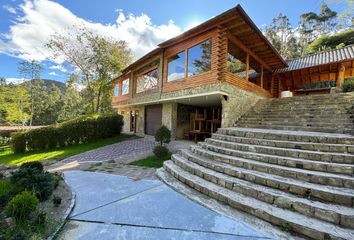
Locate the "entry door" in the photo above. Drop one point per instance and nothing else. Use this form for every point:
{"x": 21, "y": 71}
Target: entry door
{"x": 153, "y": 118}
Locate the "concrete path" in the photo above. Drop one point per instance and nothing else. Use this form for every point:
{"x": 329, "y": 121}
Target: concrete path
{"x": 117, "y": 207}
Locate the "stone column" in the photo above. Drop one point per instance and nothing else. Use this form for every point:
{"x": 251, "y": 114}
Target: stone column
{"x": 340, "y": 75}
{"x": 169, "y": 117}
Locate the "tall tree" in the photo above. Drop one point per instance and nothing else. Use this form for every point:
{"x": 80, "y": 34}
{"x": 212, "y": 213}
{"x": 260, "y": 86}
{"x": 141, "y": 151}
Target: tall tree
{"x": 31, "y": 70}
{"x": 72, "y": 102}
{"x": 14, "y": 104}
{"x": 281, "y": 35}
{"x": 97, "y": 60}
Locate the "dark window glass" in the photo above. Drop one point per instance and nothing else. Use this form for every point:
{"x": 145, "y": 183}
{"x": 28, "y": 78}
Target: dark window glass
{"x": 175, "y": 67}
{"x": 199, "y": 58}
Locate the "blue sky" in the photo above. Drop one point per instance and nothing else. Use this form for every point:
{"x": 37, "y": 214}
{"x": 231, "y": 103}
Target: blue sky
{"x": 26, "y": 25}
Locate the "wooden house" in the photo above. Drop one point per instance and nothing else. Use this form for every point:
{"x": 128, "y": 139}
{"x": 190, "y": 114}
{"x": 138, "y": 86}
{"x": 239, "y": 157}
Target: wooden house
{"x": 212, "y": 74}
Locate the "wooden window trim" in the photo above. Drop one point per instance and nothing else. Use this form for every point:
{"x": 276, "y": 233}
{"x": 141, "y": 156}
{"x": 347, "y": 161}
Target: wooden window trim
{"x": 185, "y": 50}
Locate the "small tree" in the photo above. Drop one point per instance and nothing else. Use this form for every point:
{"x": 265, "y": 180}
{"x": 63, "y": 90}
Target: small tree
{"x": 163, "y": 135}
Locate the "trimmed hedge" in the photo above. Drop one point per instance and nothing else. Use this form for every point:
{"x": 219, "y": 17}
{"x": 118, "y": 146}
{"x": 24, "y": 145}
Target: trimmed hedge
{"x": 80, "y": 130}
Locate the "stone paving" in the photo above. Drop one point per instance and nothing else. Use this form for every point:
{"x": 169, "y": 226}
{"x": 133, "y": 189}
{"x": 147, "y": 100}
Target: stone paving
{"x": 117, "y": 207}
{"x": 115, "y": 158}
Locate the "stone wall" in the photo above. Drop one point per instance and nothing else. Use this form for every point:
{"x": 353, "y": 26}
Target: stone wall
{"x": 169, "y": 117}
{"x": 140, "y": 119}
{"x": 237, "y": 104}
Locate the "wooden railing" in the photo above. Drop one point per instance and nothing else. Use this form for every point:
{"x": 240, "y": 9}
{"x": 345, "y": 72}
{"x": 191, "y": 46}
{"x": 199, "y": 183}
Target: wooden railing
{"x": 246, "y": 85}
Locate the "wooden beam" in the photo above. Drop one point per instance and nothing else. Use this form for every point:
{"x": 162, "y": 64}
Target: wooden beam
{"x": 238, "y": 43}
{"x": 247, "y": 65}
{"x": 261, "y": 76}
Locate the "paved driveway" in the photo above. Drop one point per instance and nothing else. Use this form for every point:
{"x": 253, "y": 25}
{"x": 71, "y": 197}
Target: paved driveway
{"x": 117, "y": 207}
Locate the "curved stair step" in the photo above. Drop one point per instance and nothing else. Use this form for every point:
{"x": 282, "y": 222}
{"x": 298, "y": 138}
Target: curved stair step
{"x": 336, "y": 214}
{"x": 236, "y": 158}
{"x": 286, "y": 152}
{"x": 310, "y": 227}
{"x": 342, "y": 196}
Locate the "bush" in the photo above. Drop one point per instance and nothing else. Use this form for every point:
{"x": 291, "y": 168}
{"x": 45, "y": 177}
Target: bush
{"x": 21, "y": 206}
{"x": 80, "y": 130}
{"x": 348, "y": 85}
{"x": 33, "y": 165}
{"x": 31, "y": 179}
{"x": 163, "y": 135}
{"x": 18, "y": 142}
{"x": 5, "y": 191}
{"x": 160, "y": 151}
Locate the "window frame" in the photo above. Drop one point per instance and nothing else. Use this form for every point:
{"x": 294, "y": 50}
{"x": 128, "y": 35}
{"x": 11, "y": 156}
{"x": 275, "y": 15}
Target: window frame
{"x": 114, "y": 90}
{"x": 185, "y": 50}
{"x": 156, "y": 67}
{"x": 127, "y": 79}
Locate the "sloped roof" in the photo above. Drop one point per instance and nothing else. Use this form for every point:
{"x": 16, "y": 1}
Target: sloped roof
{"x": 320, "y": 58}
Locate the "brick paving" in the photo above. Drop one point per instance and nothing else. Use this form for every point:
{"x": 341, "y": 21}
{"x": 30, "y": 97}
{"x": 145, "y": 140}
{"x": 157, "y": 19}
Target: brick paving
{"x": 114, "y": 159}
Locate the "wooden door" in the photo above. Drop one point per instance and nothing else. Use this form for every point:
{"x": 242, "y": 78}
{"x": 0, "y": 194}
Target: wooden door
{"x": 153, "y": 118}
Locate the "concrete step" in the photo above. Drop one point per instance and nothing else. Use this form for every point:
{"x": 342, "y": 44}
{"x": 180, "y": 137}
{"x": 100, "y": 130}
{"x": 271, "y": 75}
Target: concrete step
{"x": 337, "y": 195}
{"x": 288, "y": 122}
{"x": 295, "y": 222}
{"x": 303, "y": 119}
{"x": 339, "y": 215}
{"x": 298, "y": 136}
{"x": 298, "y": 128}
{"x": 294, "y": 162}
{"x": 235, "y": 157}
{"x": 310, "y": 146}
{"x": 311, "y": 160}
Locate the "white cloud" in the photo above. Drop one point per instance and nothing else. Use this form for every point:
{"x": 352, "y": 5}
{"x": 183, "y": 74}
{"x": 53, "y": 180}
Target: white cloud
{"x": 59, "y": 68}
{"x": 53, "y": 74}
{"x": 39, "y": 19}
{"x": 9, "y": 9}
{"x": 16, "y": 80}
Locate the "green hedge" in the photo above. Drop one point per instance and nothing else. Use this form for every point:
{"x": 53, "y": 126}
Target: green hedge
{"x": 80, "y": 130}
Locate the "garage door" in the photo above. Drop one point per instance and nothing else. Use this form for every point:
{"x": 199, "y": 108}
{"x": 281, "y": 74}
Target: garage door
{"x": 153, "y": 118}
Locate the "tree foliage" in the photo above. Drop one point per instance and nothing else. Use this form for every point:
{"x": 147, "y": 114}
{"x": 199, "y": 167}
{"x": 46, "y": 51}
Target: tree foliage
{"x": 97, "y": 60}
{"x": 327, "y": 42}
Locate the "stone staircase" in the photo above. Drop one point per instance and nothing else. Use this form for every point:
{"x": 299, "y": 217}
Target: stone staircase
{"x": 330, "y": 113}
{"x": 299, "y": 181}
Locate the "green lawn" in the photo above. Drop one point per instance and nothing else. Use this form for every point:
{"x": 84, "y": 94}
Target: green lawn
{"x": 151, "y": 161}
{"x": 8, "y": 157}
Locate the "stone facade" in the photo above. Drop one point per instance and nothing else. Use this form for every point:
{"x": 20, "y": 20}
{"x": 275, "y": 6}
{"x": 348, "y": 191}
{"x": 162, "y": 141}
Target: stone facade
{"x": 169, "y": 117}
{"x": 237, "y": 104}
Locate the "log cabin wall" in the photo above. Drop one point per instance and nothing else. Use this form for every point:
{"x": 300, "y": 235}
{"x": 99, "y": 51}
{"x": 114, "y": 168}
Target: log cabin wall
{"x": 297, "y": 79}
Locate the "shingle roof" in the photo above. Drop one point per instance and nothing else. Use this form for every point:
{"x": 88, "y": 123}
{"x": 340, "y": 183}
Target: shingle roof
{"x": 321, "y": 58}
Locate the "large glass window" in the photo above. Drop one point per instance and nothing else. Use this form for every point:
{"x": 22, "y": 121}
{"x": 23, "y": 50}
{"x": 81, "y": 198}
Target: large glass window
{"x": 147, "y": 81}
{"x": 116, "y": 91}
{"x": 176, "y": 66}
{"x": 125, "y": 86}
{"x": 199, "y": 58}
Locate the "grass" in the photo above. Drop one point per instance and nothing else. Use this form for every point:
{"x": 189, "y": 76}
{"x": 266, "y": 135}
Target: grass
{"x": 8, "y": 157}
{"x": 151, "y": 161}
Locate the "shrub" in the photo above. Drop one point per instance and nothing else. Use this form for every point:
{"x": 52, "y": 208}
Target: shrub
{"x": 5, "y": 191}
{"x": 33, "y": 165}
{"x": 348, "y": 85}
{"x": 56, "y": 201}
{"x": 31, "y": 179}
{"x": 163, "y": 135}
{"x": 160, "y": 151}
{"x": 21, "y": 206}
{"x": 18, "y": 142}
{"x": 80, "y": 130}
